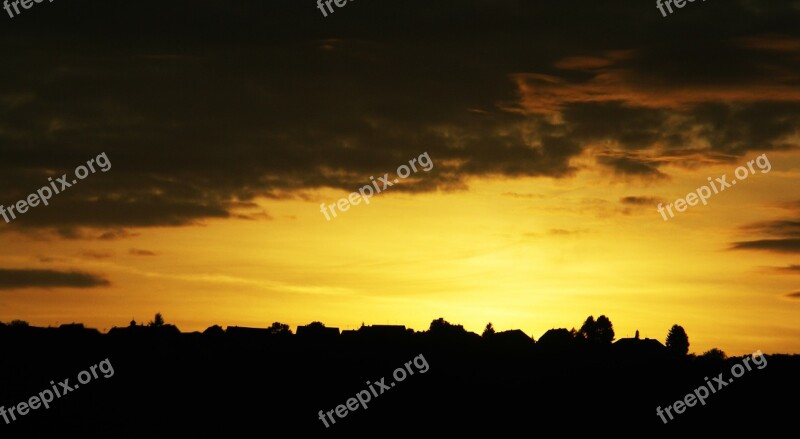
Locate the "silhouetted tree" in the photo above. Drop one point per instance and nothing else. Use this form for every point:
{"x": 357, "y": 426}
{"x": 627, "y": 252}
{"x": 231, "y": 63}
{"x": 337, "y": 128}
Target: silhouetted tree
{"x": 314, "y": 325}
{"x": 442, "y": 325}
{"x": 158, "y": 320}
{"x": 442, "y": 328}
{"x": 19, "y": 324}
{"x": 604, "y": 330}
{"x": 677, "y": 340}
{"x": 488, "y": 331}
{"x": 587, "y": 329}
{"x": 279, "y": 328}
{"x": 599, "y": 332}
{"x": 714, "y": 354}
{"x": 439, "y": 325}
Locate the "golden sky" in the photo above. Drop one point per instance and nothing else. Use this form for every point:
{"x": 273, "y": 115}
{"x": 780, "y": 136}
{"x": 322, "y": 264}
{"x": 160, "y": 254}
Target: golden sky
{"x": 552, "y": 149}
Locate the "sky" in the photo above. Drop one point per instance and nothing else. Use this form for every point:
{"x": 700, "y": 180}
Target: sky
{"x": 552, "y": 132}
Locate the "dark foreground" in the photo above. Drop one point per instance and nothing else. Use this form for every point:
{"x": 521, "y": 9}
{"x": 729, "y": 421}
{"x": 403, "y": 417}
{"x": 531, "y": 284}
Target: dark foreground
{"x": 248, "y": 384}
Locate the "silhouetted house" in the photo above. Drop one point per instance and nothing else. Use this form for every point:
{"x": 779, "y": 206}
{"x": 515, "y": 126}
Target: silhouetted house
{"x": 215, "y": 331}
{"x": 349, "y": 334}
{"x": 244, "y": 331}
{"x": 25, "y": 330}
{"x": 127, "y": 331}
{"x": 514, "y": 338}
{"x": 75, "y": 333}
{"x": 383, "y": 331}
{"x": 77, "y": 329}
{"x": 317, "y": 332}
{"x": 557, "y": 341}
{"x": 382, "y": 334}
{"x": 247, "y": 335}
{"x": 163, "y": 331}
{"x": 639, "y": 347}
{"x": 560, "y": 342}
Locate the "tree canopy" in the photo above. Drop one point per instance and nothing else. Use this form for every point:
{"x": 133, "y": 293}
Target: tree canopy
{"x": 157, "y": 321}
{"x": 488, "y": 331}
{"x": 677, "y": 340}
{"x": 600, "y": 331}
{"x": 279, "y": 328}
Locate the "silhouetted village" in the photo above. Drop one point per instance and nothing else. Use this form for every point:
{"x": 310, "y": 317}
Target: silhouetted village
{"x": 242, "y": 381}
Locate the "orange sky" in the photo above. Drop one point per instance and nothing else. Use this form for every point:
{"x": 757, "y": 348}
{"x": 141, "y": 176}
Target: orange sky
{"x": 555, "y": 132}
{"x": 529, "y": 253}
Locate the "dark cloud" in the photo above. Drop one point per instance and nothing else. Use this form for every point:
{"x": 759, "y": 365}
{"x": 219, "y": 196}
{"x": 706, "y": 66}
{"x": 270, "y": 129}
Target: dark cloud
{"x": 97, "y": 255}
{"x": 201, "y": 112}
{"x": 15, "y": 279}
{"x": 641, "y": 201}
{"x": 139, "y": 252}
{"x": 782, "y": 228}
{"x": 784, "y": 234}
{"x": 773, "y": 245}
{"x": 739, "y": 129}
{"x": 107, "y": 212}
{"x": 789, "y": 269}
{"x": 631, "y": 127}
{"x": 116, "y": 234}
{"x": 795, "y": 295}
{"x": 645, "y": 168}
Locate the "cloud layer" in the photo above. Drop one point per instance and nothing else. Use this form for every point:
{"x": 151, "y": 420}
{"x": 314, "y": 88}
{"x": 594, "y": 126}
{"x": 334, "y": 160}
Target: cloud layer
{"x": 220, "y": 103}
